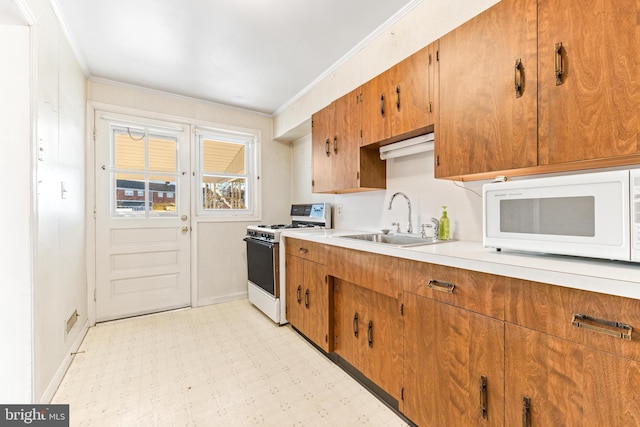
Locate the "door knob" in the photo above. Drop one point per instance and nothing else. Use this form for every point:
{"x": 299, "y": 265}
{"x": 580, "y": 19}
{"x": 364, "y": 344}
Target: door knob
{"x": 184, "y": 217}
{"x": 185, "y": 229}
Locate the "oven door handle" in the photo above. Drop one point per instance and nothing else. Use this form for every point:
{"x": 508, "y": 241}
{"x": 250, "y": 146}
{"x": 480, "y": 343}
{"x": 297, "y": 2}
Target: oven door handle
{"x": 259, "y": 242}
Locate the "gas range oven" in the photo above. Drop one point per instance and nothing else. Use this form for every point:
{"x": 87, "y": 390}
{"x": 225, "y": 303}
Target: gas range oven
{"x": 265, "y": 290}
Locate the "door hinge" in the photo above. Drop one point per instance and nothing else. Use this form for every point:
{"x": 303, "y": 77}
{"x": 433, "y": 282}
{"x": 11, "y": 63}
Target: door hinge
{"x": 326, "y": 279}
{"x": 94, "y": 134}
{"x": 437, "y": 55}
{"x": 358, "y": 175}
{"x": 313, "y": 183}
{"x": 335, "y": 340}
{"x": 438, "y": 160}
{"x": 326, "y": 338}
{"x": 95, "y": 294}
{"x": 402, "y": 394}
{"x": 402, "y": 309}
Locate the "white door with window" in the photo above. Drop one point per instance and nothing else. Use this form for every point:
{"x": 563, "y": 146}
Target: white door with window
{"x": 142, "y": 216}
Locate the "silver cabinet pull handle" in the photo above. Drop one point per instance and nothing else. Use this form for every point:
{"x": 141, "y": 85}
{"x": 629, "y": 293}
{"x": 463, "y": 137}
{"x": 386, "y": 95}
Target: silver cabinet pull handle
{"x": 606, "y": 327}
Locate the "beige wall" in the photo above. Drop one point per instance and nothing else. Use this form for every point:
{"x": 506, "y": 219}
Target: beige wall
{"x": 58, "y": 282}
{"x": 220, "y": 252}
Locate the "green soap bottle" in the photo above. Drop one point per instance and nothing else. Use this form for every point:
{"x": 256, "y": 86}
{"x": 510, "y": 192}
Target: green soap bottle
{"x": 443, "y": 233}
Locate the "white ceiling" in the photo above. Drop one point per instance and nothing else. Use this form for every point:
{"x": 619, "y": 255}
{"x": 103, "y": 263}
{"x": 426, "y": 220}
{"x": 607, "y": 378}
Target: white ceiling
{"x": 253, "y": 54}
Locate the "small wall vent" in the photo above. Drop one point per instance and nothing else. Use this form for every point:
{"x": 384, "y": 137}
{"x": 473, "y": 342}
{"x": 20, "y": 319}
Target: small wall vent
{"x": 71, "y": 320}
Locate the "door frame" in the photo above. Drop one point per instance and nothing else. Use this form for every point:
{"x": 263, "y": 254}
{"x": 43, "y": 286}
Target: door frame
{"x": 90, "y": 171}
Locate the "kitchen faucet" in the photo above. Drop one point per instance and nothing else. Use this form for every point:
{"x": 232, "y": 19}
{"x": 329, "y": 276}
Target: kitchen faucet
{"x": 409, "y": 228}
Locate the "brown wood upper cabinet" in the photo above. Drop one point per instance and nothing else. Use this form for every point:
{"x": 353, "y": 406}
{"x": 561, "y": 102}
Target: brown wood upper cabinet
{"x": 589, "y": 90}
{"x": 398, "y": 104}
{"x": 486, "y": 122}
{"x": 540, "y": 86}
{"x": 340, "y": 165}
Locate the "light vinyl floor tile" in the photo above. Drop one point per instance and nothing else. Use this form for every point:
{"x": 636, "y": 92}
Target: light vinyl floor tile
{"x": 219, "y": 365}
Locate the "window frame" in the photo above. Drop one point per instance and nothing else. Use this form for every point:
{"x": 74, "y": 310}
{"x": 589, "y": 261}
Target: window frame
{"x": 251, "y": 139}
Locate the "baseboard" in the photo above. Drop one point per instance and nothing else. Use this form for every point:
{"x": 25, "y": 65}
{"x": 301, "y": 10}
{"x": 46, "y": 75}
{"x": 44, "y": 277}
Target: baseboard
{"x": 51, "y": 389}
{"x": 217, "y": 300}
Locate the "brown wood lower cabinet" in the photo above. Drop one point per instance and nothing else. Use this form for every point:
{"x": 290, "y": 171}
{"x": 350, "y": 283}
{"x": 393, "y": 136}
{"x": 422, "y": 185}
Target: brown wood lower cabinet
{"x": 457, "y": 347}
{"x": 308, "y": 300}
{"x": 368, "y": 334}
{"x": 453, "y": 365}
{"x": 567, "y": 384}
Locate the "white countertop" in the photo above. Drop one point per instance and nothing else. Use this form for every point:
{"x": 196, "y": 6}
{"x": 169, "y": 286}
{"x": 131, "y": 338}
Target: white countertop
{"x": 607, "y": 277}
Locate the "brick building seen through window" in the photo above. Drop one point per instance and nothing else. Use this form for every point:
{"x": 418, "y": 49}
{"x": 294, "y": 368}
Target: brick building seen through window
{"x": 130, "y": 195}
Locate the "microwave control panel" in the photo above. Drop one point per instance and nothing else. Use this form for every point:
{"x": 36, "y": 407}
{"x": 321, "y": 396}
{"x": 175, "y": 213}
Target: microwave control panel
{"x": 635, "y": 214}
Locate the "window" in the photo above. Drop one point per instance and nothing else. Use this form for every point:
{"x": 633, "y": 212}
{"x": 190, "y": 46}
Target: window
{"x": 145, "y": 163}
{"x": 228, "y": 174}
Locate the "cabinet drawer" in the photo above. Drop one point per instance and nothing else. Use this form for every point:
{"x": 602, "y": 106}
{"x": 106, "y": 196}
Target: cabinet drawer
{"x": 478, "y": 292}
{"x": 378, "y": 273}
{"x": 311, "y": 251}
{"x": 606, "y": 322}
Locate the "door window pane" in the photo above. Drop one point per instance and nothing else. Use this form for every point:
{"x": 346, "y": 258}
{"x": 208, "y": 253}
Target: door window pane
{"x": 129, "y": 194}
{"x": 163, "y": 153}
{"x": 159, "y": 188}
{"x": 129, "y": 149}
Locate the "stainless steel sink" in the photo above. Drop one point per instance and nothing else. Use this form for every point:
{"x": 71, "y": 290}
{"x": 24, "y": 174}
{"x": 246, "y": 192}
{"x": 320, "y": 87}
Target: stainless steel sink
{"x": 397, "y": 240}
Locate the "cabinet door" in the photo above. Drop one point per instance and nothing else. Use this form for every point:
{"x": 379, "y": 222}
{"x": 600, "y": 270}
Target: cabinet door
{"x": 447, "y": 352}
{"x": 321, "y": 140}
{"x": 595, "y": 110}
{"x": 484, "y": 123}
{"x": 434, "y": 80}
{"x": 345, "y": 143}
{"x": 409, "y": 88}
{"x": 350, "y": 328}
{"x": 295, "y": 291}
{"x": 376, "y": 108}
{"x": 566, "y": 383}
{"x": 382, "y": 328}
{"x": 316, "y": 304}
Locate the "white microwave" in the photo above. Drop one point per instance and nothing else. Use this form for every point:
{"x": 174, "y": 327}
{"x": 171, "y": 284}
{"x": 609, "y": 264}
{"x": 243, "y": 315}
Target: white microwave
{"x": 592, "y": 215}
